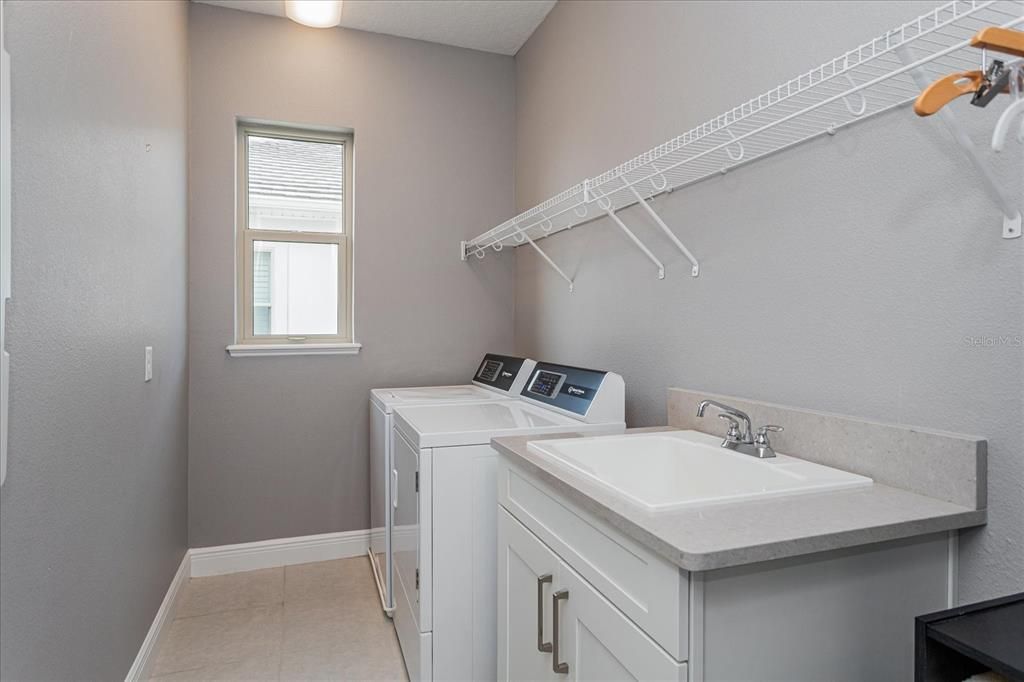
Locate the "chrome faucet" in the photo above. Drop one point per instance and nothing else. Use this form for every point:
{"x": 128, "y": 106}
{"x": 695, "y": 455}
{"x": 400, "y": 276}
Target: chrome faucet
{"x": 739, "y": 437}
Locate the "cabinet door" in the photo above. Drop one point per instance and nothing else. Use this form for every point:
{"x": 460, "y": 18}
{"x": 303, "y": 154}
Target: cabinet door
{"x": 598, "y": 642}
{"x": 527, "y": 574}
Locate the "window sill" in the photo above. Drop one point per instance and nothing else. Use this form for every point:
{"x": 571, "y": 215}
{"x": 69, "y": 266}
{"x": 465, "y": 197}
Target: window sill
{"x": 259, "y": 350}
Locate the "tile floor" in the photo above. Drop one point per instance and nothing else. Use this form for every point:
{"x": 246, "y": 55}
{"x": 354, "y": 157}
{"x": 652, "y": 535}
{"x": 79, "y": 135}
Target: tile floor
{"x": 317, "y": 621}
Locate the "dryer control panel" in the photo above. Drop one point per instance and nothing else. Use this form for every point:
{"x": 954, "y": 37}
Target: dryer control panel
{"x": 574, "y": 390}
{"x": 503, "y": 372}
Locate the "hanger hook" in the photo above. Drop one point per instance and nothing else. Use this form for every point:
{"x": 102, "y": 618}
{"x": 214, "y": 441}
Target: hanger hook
{"x": 602, "y": 200}
{"x": 519, "y": 236}
{"x": 664, "y": 180}
{"x": 858, "y": 111}
{"x": 576, "y": 210}
{"x": 480, "y": 253}
{"x": 728, "y": 150}
{"x": 547, "y": 225}
{"x": 497, "y": 246}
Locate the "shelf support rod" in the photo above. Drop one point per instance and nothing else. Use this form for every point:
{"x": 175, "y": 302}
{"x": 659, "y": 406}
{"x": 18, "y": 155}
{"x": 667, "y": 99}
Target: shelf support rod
{"x": 550, "y": 262}
{"x": 636, "y": 240}
{"x": 1011, "y": 214}
{"x": 695, "y": 270}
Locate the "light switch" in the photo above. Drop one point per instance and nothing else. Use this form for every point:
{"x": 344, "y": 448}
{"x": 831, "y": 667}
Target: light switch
{"x": 149, "y": 363}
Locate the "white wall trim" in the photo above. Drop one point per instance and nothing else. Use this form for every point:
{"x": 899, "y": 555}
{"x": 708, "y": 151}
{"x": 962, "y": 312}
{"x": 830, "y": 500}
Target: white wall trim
{"x": 164, "y": 615}
{"x": 257, "y": 350}
{"x": 251, "y": 556}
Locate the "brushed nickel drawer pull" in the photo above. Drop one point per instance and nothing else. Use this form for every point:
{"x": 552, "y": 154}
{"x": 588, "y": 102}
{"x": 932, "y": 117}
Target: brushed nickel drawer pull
{"x": 542, "y": 646}
{"x": 560, "y": 668}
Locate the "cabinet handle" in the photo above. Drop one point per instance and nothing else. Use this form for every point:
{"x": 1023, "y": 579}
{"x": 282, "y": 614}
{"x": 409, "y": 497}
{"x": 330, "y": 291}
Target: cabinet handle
{"x": 394, "y": 488}
{"x": 560, "y": 668}
{"x": 542, "y": 646}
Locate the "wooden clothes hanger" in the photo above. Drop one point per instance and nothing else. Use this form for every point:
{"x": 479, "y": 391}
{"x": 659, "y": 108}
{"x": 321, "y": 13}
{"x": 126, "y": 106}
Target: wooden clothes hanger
{"x": 948, "y": 88}
{"x": 1001, "y": 40}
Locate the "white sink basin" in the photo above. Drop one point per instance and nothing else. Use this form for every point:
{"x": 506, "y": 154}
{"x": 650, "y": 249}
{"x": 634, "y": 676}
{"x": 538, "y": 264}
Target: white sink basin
{"x": 677, "y": 469}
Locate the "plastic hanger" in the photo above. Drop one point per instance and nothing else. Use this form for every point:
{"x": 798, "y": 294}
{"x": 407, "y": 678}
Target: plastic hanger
{"x": 1015, "y": 110}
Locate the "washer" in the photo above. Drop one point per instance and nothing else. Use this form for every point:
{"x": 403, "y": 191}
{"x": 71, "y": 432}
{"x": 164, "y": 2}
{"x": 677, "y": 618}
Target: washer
{"x": 444, "y": 544}
{"x": 497, "y": 377}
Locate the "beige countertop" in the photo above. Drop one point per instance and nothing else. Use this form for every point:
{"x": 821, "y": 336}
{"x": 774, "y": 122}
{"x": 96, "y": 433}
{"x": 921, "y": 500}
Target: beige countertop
{"x": 718, "y": 536}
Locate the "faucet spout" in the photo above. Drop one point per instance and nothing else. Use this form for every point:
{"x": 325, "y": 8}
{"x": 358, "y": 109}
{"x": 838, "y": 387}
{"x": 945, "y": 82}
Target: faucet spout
{"x": 745, "y": 429}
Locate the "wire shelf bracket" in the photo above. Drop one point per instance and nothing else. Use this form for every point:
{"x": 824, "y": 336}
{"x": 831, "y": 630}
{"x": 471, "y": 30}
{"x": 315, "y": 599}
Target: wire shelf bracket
{"x": 695, "y": 266}
{"x": 464, "y": 250}
{"x": 605, "y": 204}
{"x": 550, "y": 262}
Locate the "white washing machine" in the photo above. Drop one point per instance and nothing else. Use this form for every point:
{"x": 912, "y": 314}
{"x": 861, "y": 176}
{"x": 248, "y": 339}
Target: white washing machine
{"x": 497, "y": 377}
{"x": 445, "y": 516}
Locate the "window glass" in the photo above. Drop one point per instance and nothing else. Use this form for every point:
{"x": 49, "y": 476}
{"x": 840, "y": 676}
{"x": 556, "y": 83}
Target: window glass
{"x": 295, "y": 288}
{"x": 295, "y": 185}
{"x": 261, "y": 292}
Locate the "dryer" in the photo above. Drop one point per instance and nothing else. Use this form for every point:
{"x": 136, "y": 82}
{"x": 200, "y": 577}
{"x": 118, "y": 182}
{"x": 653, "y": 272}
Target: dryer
{"x": 497, "y": 377}
{"x": 445, "y": 516}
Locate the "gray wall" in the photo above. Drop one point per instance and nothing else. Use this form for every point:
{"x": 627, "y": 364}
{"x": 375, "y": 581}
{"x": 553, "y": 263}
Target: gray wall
{"x": 843, "y": 275}
{"x": 278, "y": 446}
{"x": 92, "y": 515}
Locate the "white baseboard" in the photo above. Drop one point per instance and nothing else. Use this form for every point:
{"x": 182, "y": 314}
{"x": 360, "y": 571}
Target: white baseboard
{"x": 250, "y": 556}
{"x": 164, "y": 615}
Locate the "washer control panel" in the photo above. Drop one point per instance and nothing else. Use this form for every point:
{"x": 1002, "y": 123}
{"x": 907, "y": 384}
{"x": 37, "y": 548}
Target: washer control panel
{"x": 546, "y": 384}
{"x": 501, "y": 371}
{"x": 572, "y": 389}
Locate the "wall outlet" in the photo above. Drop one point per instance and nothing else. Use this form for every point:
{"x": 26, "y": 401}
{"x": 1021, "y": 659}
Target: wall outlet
{"x": 149, "y": 363}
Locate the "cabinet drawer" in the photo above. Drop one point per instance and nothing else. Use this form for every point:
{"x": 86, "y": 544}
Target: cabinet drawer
{"x": 652, "y": 592}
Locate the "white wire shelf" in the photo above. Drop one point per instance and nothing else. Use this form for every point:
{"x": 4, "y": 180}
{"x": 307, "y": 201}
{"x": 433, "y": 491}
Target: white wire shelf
{"x": 873, "y": 78}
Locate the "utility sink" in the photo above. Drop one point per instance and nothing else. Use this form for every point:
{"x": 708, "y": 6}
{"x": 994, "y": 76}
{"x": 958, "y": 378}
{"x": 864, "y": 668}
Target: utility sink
{"x": 671, "y": 470}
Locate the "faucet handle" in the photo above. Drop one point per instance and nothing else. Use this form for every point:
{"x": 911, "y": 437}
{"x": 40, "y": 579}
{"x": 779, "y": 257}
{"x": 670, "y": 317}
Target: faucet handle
{"x": 763, "y": 446}
{"x": 762, "y": 433}
{"x": 734, "y": 427}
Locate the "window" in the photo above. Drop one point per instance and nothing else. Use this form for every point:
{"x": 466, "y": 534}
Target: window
{"x": 294, "y": 237}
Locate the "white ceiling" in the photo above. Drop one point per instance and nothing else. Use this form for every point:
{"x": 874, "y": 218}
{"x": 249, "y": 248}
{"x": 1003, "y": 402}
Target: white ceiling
{"x": 500, "y": 26}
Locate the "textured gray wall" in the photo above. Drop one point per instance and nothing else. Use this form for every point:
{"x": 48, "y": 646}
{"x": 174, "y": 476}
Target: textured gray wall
{"x": 278, "y": 446}
{"x": 843, "y": 275}
{"x": 92, "y": 515}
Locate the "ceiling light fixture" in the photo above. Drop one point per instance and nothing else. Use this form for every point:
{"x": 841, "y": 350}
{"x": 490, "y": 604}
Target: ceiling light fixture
{"x": 315, "y": 13}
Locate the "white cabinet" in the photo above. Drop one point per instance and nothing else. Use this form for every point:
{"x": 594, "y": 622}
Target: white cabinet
{"x": 598, "y": 642}
{"x": 552, "y": 625}
{"x": 526, "y": 576}
{"x": 628, "y": 614}
{"x": 651, "y": 591}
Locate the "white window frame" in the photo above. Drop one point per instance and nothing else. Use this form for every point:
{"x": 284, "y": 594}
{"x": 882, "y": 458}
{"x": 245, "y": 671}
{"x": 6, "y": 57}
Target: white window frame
{"x": 247, "y": 343}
